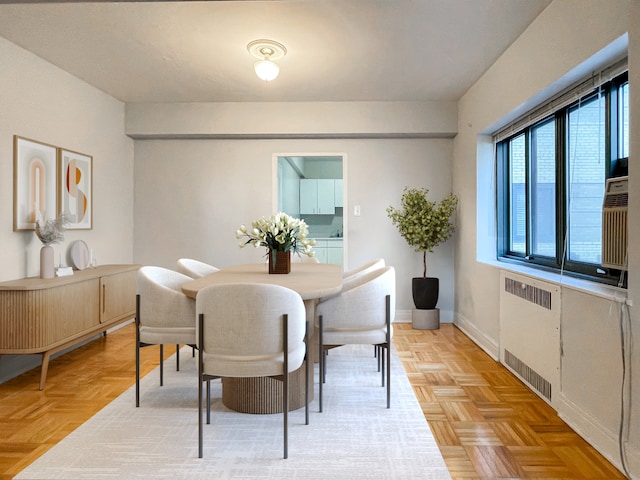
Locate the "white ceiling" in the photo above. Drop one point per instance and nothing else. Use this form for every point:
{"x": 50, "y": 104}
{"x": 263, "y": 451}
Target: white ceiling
{"x": 338, "y": 50}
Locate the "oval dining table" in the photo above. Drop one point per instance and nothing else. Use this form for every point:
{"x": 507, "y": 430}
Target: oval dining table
{"x": 312, "y": 281}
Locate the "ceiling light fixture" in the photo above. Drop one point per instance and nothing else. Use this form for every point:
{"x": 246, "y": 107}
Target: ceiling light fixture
{"x": 266, "y": 51}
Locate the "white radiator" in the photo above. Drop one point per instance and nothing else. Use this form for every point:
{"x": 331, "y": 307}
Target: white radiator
{"x": 530, "y": 332}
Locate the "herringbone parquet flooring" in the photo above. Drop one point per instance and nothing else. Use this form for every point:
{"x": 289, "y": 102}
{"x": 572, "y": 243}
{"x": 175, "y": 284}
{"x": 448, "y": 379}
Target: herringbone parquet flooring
{"x": 487, "y": 424}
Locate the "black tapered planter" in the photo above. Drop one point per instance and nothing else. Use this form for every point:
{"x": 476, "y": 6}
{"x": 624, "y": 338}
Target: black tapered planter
{"x": 425, "y": 292}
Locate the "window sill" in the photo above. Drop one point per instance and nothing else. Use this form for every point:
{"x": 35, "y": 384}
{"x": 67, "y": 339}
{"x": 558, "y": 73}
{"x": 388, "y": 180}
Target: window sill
{"x": 608, "y": 292}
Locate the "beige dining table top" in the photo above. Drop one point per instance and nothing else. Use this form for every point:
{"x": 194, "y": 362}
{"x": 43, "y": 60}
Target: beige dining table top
{"x": 310, "y": 280}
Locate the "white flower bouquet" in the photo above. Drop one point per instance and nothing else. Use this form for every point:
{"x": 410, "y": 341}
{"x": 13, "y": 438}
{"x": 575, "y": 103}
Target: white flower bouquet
{"x": 279, "y": 233}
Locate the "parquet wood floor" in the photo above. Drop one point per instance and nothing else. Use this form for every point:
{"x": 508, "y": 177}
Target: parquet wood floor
{"x": 487, "y": 424}
{"x": 79, "y": 384}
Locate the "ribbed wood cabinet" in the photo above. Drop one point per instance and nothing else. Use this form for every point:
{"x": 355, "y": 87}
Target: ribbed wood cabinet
{"x": 44, "y": 316}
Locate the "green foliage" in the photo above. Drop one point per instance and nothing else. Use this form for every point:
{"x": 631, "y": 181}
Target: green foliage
{"x": 423, "y": 223}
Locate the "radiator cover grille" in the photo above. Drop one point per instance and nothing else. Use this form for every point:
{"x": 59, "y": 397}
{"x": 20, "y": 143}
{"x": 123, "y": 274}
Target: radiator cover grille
{"x": 528, "y": 292}
{"x": 528, "y": 374}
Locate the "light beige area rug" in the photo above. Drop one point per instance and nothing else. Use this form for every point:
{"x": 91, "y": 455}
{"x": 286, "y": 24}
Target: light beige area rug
{"x": 356, "y": 437}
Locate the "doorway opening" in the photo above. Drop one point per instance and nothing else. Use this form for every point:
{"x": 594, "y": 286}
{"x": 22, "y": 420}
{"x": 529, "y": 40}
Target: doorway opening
{"x": 312, "y": 187}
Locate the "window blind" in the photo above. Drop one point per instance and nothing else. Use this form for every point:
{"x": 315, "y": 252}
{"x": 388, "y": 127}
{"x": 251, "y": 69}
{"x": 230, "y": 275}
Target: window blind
{"x": 572, "y": 94}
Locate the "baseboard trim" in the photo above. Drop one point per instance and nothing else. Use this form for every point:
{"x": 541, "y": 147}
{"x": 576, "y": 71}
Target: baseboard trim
{"x": 402, "y": 316}
{"x": 602, "y": 439}
{"x": 489, "y": 345}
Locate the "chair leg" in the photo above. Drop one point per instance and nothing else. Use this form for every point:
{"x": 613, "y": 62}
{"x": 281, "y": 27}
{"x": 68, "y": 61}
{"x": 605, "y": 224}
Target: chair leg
{"x": 138, "y": 350}
{"x": 382, "y": 356}
{"x": 285, "y": 383}
{"x": 321, "y": 361}
{"x": 161, "y": 364}
{"x": 325, "y": 355}
{"x": 307, "y": 367}
{"x": 389, "y": 375}
{"x": 200, "y": 379}
{"x": 208, "y": 402}
{"x": 177, "y": 357}
{"x": 388, "y": 314}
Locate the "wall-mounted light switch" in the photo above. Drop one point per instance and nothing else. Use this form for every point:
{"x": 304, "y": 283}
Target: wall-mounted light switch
{"x": 356, "y": 210}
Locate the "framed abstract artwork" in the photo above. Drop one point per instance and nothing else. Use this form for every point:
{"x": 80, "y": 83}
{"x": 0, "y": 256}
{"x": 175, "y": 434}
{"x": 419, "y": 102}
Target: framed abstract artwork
{"x": 34, "y": 182}
{"x": 75, "y": 189}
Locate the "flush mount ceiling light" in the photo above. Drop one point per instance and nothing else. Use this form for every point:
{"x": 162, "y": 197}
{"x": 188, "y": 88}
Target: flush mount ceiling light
{"x": 266, "y": 51}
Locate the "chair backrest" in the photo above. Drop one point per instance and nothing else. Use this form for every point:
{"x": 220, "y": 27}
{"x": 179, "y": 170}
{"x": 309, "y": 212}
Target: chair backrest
{"x": 364, "y": 268}
{"x": 355, "y": 276}
{"x": 363, "y": 305}
{"x": 195, "y": 268}
{"x": 243, "y": 329}
{"x": 162, "y": 303}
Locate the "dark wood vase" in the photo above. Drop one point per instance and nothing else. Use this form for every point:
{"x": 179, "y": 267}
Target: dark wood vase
{"x": 425, "y": 292}
{"x": 279, "y": 262}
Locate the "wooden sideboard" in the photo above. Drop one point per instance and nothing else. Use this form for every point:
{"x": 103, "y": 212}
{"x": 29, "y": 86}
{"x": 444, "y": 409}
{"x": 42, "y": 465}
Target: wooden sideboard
{"x": 44, "y": 316}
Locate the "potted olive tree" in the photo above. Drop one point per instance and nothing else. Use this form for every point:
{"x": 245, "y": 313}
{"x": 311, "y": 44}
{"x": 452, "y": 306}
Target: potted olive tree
{"x": 424, "y": 224}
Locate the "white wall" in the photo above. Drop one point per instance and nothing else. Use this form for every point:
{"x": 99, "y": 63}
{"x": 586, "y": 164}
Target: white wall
{"x": 591, "y": 371}
{"x": 192, "y": 195}
{"x": 634, "y": 226}
{"x": 41, "y": 102}
{"x": 569, "y": 39}
{"x": 44, "y": 103}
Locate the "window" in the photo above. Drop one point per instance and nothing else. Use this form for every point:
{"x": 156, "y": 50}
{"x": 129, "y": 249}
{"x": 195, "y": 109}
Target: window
{"x": 552, "y": 168}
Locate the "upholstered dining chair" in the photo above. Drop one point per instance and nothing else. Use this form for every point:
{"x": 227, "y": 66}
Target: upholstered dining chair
{"x": 251, "y": 330}
{"x": 164, "y": 315}
{"x": 351, "y": 277}
{"x": 361, "y": 314}
{"x": 195, "y": 268}
{"x": 363, "y": 269}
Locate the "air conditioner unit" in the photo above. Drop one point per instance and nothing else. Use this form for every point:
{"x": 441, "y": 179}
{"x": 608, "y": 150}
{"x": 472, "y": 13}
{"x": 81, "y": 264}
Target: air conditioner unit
{"x": 614, "y": 223}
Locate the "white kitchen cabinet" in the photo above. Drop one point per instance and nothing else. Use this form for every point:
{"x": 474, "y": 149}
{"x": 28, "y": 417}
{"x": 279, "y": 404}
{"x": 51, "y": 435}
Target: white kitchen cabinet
{"x": 337, "y": 196}
{"x": 320, "y": 249}
{"x": 308, "y": 196}
{"x": 334, "y": 255}
{"x": 329, "y": 250}
{"x": 321, "y": 254}
{"x": 326, "y": 201}
{"x": 317, "y": 196}
{"x": 334, "y": 251}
